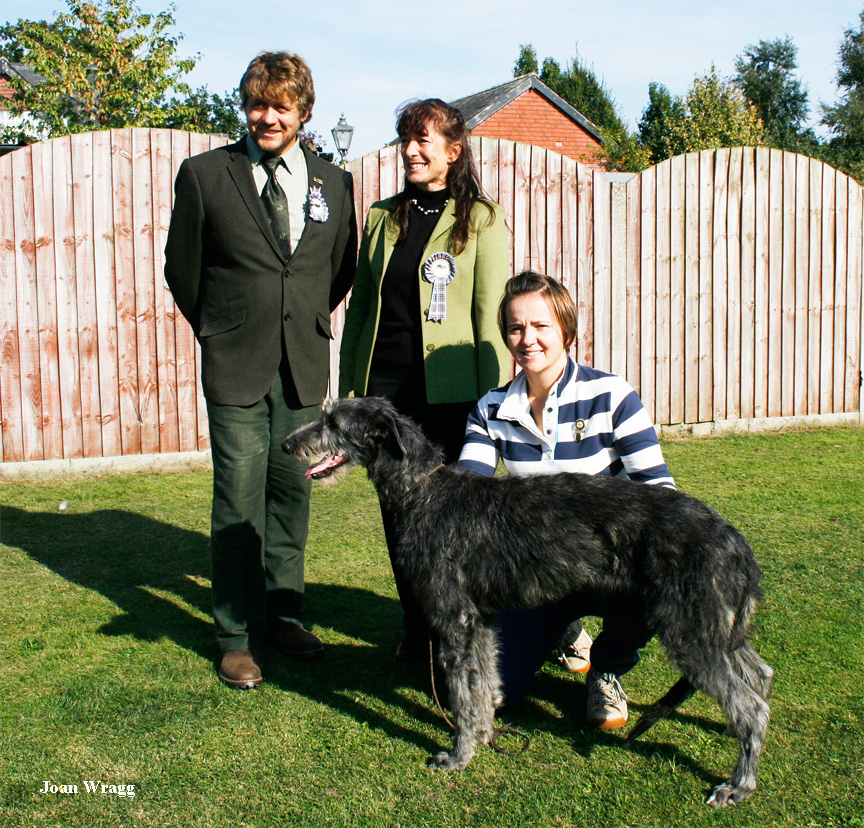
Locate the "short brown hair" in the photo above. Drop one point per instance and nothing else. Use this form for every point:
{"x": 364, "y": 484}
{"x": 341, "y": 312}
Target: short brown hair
{"x": 279, "y": 77}
{"x": 560, "y": 302}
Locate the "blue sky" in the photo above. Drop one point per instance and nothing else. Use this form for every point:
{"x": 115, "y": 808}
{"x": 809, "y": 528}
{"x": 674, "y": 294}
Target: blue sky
{"x": 369, "y": 56}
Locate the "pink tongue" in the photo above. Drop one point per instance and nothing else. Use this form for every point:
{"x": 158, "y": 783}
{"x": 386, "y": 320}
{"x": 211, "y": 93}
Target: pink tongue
{"x": 323, "y": 465}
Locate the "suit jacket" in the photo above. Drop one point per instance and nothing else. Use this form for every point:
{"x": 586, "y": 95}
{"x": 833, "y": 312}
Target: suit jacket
{"x": 247, "y": 304}
{"x": 464, "y": 355}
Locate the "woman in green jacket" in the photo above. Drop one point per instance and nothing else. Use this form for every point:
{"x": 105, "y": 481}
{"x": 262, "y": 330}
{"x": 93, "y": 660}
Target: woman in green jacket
{"x": 421, "y": 327}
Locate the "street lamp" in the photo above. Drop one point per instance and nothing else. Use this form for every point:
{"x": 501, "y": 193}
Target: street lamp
{"x": 342, "y": 134}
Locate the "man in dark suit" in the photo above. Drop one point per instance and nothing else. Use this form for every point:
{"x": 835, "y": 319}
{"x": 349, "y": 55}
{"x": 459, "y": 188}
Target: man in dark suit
{"x": 261, "y": 247}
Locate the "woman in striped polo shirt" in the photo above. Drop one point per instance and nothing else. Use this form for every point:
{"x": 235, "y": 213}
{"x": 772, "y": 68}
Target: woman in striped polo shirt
{"x": 557, "y": 416}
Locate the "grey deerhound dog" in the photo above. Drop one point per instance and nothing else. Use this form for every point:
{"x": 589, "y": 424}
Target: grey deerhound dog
{"x": 473, "y": 545}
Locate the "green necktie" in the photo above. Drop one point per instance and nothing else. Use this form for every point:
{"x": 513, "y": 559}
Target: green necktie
{"x": 276, "y": 205}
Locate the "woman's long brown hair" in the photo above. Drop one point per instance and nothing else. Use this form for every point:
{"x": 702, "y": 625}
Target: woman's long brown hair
{"x": 462, "y": 179}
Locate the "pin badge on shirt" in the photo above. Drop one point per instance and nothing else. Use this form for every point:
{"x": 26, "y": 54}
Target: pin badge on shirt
{"x": 579, "y": 429}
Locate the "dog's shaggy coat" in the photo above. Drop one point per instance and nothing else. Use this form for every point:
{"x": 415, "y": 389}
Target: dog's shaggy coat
{"x": 472, "y": 546}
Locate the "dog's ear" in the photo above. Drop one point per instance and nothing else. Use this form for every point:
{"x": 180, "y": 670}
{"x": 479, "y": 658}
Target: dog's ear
{"x": 389, "y": 430}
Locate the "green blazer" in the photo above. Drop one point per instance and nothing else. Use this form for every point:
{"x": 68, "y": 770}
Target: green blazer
{"x": 464, "y": 355}
{"x": 247, "y": 305}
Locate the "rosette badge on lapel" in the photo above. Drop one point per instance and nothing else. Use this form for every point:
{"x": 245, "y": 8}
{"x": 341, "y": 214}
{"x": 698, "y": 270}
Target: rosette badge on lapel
{"x": 440, "y": 270}
{"x": 318, "y": 209}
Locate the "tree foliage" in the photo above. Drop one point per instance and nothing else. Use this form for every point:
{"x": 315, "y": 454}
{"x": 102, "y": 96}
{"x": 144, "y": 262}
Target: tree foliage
{"x": 765, "y": 74}
{"x": 205, "y": 111}
{"x": 656, "y": 124}
{"x": 845, "y": 120}
{"x": 526, "y": 63}
{"x": 106, "y": 64}
{"x": 713, "y": 114}
{"x": 716, "y": 114}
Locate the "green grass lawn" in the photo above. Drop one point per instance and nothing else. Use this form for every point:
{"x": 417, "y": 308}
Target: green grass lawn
{"x": 108, "y": 652}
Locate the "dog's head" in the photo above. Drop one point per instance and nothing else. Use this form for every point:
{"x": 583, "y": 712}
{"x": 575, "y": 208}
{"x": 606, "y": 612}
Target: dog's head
{"x": 350, "y": 432}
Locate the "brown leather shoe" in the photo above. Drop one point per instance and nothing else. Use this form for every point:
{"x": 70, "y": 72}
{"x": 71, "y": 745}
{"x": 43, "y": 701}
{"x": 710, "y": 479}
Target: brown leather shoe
{"x": 239, "y": 669}
{"x": 296, "y": 642}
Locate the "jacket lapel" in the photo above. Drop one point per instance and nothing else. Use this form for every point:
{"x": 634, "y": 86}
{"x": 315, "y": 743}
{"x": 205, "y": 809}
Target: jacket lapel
{"x": 240, "y": 170}
{"x": 390, "y": 234}
{"x": 447, "y": 220}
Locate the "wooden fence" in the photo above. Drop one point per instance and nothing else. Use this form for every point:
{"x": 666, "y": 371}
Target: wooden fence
{"x": 94, "y": 359}
{"x": 724, "y": 284}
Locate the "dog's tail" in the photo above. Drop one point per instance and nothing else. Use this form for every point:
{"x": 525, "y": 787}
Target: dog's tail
{"x": 681, "y": 690}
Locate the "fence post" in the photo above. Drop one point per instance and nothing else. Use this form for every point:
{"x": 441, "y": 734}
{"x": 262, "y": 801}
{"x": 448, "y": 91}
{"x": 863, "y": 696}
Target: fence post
{"x": 618, "y": 270}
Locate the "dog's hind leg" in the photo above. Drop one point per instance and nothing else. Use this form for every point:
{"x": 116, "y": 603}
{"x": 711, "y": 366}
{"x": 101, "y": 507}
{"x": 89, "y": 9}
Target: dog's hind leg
{"x": 468, "y": 656}
{"x": 751, "y": 668}
{"x": 748, "y": 714}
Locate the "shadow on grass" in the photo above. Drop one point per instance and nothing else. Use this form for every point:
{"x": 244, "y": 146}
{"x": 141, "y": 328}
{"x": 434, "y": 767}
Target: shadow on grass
{"x": 571, "y": 696}
{"x": 157, "y": 575}
{"x": 129, "y": 559}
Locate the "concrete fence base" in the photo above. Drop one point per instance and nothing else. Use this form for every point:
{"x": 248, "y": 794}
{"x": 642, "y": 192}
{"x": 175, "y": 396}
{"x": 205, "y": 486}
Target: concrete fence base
{"x": 763, "y": 425}
{"x": 36, "y": 470}
{"x": 102, "y": 466}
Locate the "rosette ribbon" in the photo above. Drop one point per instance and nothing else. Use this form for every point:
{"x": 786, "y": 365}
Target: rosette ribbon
{"x": 440, "y": 270}
{"x": 318, "y": 209}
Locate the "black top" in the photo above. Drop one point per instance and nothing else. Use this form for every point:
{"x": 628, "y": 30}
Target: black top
{"x": 397, "y": 360}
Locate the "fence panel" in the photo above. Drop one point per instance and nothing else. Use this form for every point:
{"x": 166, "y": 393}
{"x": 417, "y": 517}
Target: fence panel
{"x": 10, "y": 361}
{"x": 690, "y": 223}
{"x": 25, "y": 299}
{"x": 706, "y": 266}
{"x": 724, "y": 284}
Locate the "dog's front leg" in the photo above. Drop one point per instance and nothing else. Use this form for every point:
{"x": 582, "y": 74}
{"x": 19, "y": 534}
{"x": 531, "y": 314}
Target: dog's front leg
{"x": 468, "y": 657}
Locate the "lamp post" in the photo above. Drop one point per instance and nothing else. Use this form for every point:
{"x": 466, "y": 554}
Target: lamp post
{"x": 342, "y": 134}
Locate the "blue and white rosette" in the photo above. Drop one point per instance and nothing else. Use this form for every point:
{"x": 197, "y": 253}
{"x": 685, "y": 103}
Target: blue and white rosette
{"x": 440, "y": 270}
{"x": 318, "y": 209}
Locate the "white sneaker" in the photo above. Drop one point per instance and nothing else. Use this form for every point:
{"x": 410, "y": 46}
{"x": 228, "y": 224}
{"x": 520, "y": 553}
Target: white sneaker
{"x": 575, "y": 649}
{"x": 607, "y": 704}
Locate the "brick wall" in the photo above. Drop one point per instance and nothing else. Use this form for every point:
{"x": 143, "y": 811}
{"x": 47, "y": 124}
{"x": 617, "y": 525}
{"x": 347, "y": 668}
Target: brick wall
{"x": 532, "y": 119}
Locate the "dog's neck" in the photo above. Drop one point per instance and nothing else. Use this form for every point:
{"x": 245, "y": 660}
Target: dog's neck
{"x": 395, "y": 491}
{"x": 420, "y": 483}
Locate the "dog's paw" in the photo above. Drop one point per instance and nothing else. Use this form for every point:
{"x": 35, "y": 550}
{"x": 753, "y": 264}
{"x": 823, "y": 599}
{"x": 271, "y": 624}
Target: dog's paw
{"x": 444, "y": 761}
{"x": 728, "y": 794}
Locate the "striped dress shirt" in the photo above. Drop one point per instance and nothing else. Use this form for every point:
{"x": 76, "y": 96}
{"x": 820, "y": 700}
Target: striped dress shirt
{"x": 593, "y": 423}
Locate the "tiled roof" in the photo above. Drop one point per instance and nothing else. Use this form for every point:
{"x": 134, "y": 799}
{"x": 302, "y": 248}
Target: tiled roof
{"x": 477, "y": 108}
{"x": 21, "y": 70}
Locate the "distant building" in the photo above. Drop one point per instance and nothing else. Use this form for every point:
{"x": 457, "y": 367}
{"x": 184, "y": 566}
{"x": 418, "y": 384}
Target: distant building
{"x": 10, "y": 120}
{"x": 527, "y": 110}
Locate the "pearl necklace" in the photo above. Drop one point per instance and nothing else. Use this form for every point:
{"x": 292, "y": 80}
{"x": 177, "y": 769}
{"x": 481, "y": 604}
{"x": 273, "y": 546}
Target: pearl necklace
{"x": 428, "y": 211}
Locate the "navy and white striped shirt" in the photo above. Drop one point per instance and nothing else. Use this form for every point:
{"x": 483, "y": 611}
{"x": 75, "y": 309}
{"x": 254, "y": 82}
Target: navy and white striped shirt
{"x": 593, "y": 423}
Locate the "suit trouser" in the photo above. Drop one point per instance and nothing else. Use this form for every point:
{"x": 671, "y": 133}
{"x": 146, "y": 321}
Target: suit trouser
{"x": 260, "y": 517}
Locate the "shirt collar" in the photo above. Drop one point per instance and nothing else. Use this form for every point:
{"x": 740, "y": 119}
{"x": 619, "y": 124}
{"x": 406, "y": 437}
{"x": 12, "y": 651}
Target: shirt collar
{"x": 292, "y": 158}
{"x": 515, "y": 406}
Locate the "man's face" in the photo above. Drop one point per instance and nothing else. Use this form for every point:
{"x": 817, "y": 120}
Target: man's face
{"x": 273, "y": 126}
